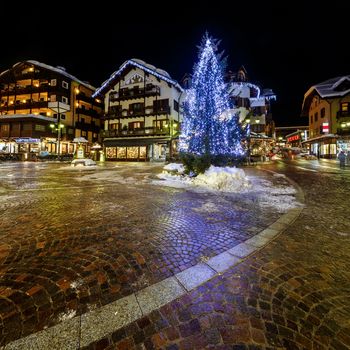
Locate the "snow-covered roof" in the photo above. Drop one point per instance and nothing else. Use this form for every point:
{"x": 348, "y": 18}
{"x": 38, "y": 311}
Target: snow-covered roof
{"x": 160, "y": 73}
{"x": 324, "y": 90}
{"x": 59, "y": 70}
{"x": 239, "y": 88}
{"x": 327, "y": 88}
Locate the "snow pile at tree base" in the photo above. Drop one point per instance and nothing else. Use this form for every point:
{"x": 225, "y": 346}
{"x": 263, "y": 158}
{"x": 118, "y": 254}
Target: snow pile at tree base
{"x": 224, "y": 179}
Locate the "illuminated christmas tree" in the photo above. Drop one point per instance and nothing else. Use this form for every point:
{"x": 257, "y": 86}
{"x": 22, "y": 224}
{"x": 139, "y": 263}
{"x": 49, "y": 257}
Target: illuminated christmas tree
{"x": 208, "y": 128}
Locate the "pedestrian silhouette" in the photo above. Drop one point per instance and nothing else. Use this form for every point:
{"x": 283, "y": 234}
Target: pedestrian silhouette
{"x": 342, "y": 157}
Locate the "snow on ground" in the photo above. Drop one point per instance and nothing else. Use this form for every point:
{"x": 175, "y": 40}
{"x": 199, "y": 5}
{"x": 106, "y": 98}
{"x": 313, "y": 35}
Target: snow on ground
{"x": 279, "y": 196}
{"x": 224, "y": 179}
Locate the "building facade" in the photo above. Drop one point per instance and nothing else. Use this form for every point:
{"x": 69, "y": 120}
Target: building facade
{"x": 43, "y": 108}
{"x": 253, "y": 105}
{"x": 142, "y": 113}
{"x": 327, "y": 105}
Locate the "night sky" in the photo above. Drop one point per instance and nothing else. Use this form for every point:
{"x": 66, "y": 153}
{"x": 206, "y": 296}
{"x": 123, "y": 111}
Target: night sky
{"x": 287, "y": 47}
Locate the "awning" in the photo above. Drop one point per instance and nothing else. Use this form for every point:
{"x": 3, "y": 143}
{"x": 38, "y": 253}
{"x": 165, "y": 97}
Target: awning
{"x": 321, "y": 138}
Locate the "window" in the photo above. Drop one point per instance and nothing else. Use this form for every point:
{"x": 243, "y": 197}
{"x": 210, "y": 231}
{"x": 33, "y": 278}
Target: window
{"x": 26, "y": 127}
{"x": 160, "y": 124}
{"x": 161, "y": 105}
{"x": 316, "y": 117}
{"x": 63, "y": 116}
{"x": 53, "y": 82}
{"x": 311, "y": 119}
{"x": 344, "y": 107}
{"x": 135, "y": 125}
{"x": 83, "y": 133}
{"x": 176, "y": 106}
{"x": 39, "y": 127}
{"x": 136, "y": 107}
{"x": 5, "y": 127}
{"x": 65, "y": 99}
{"x": 53, "y": 98}
{"x": 65, "y": 84}
{"x": 323, "y": 112}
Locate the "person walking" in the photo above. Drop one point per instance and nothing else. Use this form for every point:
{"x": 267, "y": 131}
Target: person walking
{"x": 342, "y": 157}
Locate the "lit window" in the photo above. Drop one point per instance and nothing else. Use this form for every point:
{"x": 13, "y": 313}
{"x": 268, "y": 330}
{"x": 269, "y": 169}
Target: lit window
{"x": 53, "y": 82}
{"x": 344, "y": 107}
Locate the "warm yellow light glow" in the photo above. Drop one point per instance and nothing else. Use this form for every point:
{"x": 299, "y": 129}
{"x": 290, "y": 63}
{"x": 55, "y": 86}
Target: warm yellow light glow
{"x": 257, "y": 120}
{"x": 48, "y": 113}
{"x": 76, "y": 90}
{"x": 36, "y": 113}
{"x": 248, "y": 120}
{"x": 52, "y": 126}
{"x": 76, "y": 104}
{"x": 97, "y": 100}
{"x": 24, "y": 101}
{"x": 280, "y": 138}
{"x": 36, "y": 85}
{"x": 31, "y": 69}
{"x": 348, "y": 124}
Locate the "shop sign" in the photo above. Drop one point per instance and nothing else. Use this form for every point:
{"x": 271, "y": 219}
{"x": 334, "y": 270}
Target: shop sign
{"x": 293, "y": 138}
{"x": 325, "y": 128}
{"x": 27, "y": 140}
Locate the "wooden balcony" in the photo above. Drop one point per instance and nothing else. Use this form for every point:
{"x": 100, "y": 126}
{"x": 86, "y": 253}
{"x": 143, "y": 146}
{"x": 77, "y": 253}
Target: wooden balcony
{"x": 129, "y": 94}
{"x": 115, "y": 113}
{"x": 148, "y": 131}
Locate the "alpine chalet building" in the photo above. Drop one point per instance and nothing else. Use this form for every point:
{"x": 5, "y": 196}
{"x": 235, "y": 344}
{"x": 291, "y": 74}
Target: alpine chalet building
{"x": 142, "y": 115}
{"x": 327, "y": 105}
{"x": 43, "y": 108}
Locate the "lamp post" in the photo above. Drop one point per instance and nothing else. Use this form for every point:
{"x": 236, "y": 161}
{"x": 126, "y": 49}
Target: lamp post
{"x": 57, "y": 127}
{"x": 247, "y": 120}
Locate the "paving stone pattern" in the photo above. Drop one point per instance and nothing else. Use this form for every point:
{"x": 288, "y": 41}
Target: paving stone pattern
{"x": 292, "y": 294}
{"x": 70, "y": 245}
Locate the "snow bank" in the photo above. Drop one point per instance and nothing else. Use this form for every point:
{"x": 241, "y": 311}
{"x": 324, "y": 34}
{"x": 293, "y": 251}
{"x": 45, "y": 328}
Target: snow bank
{"x": 278, "y": 195}
{"x": 175, "y": 167}
{"x": 225, "y": 179}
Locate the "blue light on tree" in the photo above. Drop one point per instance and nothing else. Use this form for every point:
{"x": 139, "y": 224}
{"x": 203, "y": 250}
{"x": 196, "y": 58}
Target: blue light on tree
{"x": 208, "y": 127}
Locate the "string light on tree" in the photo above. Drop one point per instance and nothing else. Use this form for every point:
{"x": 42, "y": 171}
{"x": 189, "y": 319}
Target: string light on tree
{"x": 208, "y": 128}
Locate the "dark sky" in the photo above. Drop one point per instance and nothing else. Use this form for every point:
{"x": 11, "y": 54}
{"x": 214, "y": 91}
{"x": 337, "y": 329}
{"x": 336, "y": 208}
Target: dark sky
{"x": 286, "y": 47}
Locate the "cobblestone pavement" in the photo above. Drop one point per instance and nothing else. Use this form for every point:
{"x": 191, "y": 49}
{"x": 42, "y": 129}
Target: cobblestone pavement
{"x": 71, "y": 241}
{"x": 292, "y": 294}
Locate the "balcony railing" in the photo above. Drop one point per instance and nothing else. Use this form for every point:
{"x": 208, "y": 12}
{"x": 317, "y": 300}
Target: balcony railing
{"x": 89, "y": 112}
{"x": 125, "y": 113}
{"x": 343, "y": 114}
{"x": 87, "y": 127}
{"x": 126, "y": 94}
{"x": 148, "y": 131}
{"x": 25, "y": 105}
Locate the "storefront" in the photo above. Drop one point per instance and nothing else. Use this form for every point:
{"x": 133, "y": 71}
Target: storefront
{"x": 137, "y": 150}
{"x": 325, "y": 146}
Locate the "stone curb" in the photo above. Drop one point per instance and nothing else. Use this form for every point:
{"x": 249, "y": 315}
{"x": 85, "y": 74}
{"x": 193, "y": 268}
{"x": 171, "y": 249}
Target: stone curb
{"x": 92, "y": 326}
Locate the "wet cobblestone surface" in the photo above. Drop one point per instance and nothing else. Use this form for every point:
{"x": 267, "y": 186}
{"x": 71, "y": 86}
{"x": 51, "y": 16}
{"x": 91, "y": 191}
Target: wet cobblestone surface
{"x": 292, "y": 294}
{"x": 71, "y": 241}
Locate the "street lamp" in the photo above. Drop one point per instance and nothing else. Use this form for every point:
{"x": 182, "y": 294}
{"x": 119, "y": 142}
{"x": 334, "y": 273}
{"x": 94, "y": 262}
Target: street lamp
{"x": 57, "y": 127}
{"x": 247, "y": 120}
